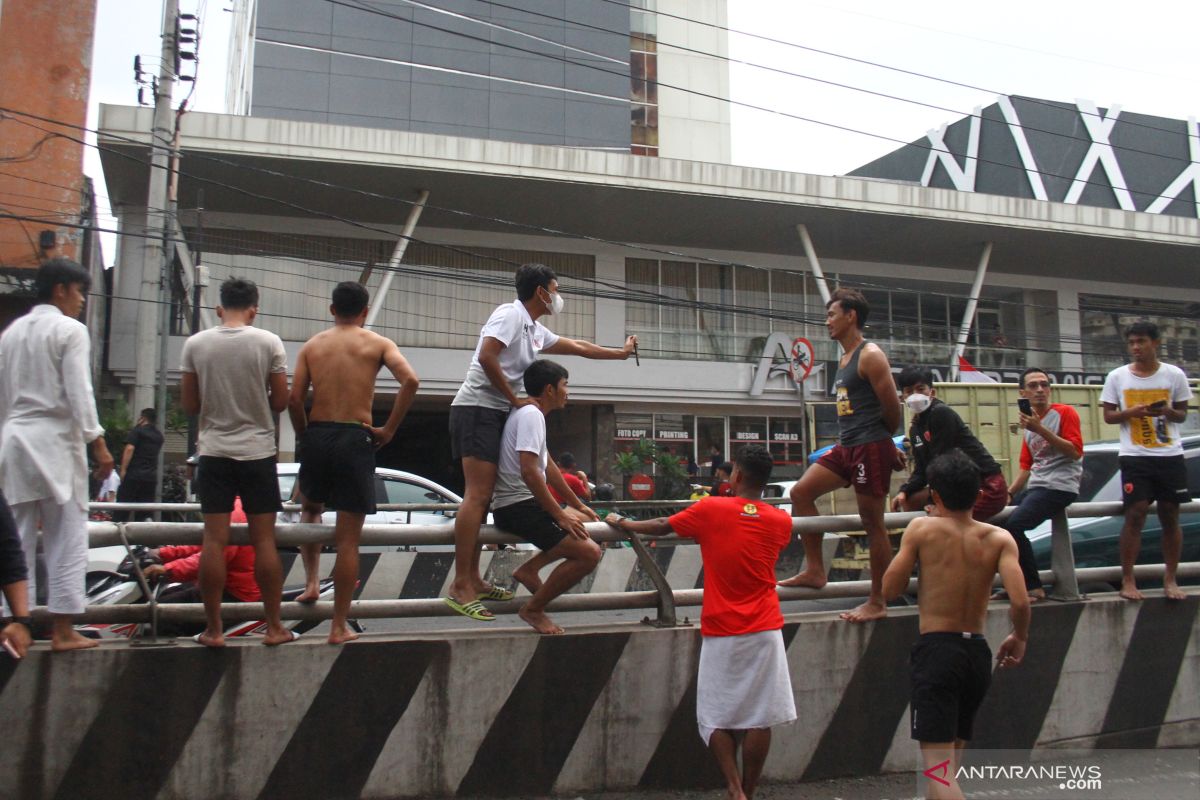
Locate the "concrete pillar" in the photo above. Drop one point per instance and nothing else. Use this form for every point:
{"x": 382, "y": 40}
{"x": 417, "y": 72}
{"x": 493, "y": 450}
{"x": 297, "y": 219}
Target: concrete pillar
{"x": 610, "y": 313}
{"x": 604, "y": 428}
{"x": 1070, "y": 329}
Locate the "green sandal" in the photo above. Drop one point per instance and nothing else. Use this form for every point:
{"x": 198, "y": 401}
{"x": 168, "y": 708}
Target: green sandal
{"x": 473, "y": 609}
{"x": 498, "y": 593}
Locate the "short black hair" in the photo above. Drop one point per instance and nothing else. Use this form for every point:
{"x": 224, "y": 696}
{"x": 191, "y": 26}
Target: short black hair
{"x": 604, "y": 491}
{"x": 543, "y": 373}
{"x": 60, "y": 272}
{"x": 349, "y": 299}
{"x": 531, "y": 277}
{"x": 852, "y": 300}
{"x": 755, "y": 462}
{"x": 150, "y": 415}
{"x": 726, "y": 467}
{"x": 1143, "y": 327}
{"x": 238, "y": 294}
{"x": 955, "y": 478}
{"x": 1029, "y": 371}
{"x": 914, "y": 374}
{"x": 567, "y": 459}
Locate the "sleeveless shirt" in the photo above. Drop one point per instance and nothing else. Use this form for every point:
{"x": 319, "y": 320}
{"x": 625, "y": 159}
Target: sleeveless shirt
{"x": 860, "y": 416}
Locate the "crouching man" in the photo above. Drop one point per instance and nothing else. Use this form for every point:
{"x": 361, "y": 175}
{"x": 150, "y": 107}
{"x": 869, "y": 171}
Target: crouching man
{"x": 523, "y": 505}
{"x": 951, "y": 663}
{"x": 743, "y": 687}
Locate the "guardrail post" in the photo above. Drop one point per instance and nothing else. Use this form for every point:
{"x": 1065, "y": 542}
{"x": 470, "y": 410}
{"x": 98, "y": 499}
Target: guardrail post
{"x": 151, "y": 598}
{"x": 1062, "y": 560}
{"x": 666, "y": 598}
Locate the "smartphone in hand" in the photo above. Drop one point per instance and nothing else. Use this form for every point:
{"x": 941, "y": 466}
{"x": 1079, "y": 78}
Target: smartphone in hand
{"x": 1025, "y": 407}
{"x": 1157, "y": 404}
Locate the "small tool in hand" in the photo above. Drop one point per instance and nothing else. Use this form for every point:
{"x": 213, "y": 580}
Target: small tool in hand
{"x": 636, "y": 360}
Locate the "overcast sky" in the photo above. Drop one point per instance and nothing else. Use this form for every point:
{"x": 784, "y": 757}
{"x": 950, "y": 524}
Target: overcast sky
{"x": 1143, "y": 58}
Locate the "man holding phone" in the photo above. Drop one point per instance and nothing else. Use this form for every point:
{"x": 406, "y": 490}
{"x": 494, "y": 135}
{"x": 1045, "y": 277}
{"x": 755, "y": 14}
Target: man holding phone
{"x": 1051, "y": 467}
{"x": 1149, "y": 399}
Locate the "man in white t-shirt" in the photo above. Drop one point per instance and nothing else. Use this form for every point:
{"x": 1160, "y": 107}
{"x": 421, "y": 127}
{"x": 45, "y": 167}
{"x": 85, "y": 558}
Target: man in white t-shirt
{"x": 508, "y": 343}
{"x": 235, "y": 379}
{"x": 1149, "y": 399}
{"x": 524, "y": 506}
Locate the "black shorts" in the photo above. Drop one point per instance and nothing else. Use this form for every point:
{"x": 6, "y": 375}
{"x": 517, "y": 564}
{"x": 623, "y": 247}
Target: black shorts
{"x": 337, "y": 466}
{"x": 950, "y": 675}
{"x": 1154, "y": 478}
{"x": 530, "y": 521}
{"x": 220, "y": 480}
{"x": 475, "y": 432}
{"x": 134, "y": 490}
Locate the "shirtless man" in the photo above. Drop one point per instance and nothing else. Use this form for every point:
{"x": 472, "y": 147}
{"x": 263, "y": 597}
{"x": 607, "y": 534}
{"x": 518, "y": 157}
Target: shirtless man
{"x": 951, "y": 663}
{"x": 868, "y": 415}
{"x": 336, "y": 441}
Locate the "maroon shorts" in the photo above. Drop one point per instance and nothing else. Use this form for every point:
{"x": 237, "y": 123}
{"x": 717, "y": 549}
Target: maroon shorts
{"x": 993, "y": 497}
{"x": 866, "y": 467}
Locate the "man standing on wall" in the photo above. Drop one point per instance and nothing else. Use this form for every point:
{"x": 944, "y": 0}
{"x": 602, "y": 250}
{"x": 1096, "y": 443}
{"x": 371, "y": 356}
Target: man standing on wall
{"x": 1149, "y": 399}
{"x": 336, "y": 439}
{"x": 235, "y": 379}
{"x": 864, "y": 457}
{"x": 743, "y": 688}
{"x": 1051, "y": 468}
{"x": 47, "y": 415}
{"x": 139, "y": 464}
{"x": 509, "y": 342}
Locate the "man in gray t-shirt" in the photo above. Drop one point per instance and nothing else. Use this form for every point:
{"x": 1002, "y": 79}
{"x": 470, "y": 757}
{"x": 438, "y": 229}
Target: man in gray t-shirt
{"x": 235, "y": 379}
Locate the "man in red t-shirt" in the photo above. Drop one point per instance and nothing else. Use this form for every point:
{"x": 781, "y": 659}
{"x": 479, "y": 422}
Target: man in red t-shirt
{"x": 743, "y": 685}
{"x": 573, "y": 476}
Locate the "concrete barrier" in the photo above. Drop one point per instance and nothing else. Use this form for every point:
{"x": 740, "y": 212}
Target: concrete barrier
{"x": 505, "y": 712}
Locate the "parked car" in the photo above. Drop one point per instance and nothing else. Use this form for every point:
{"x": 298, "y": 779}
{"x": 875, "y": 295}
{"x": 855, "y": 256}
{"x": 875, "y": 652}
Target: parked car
{"x": 1096, "y": 540}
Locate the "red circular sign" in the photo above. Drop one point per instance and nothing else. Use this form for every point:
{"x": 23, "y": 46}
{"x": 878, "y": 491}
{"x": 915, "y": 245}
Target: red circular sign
{"x": 641, "y": 486}
{"x": 802, "y": 360}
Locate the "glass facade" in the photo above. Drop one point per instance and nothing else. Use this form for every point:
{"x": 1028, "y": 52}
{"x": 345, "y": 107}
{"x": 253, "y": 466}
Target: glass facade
{"x": 1103, "y": 321}
{"x": 643, "y": 78}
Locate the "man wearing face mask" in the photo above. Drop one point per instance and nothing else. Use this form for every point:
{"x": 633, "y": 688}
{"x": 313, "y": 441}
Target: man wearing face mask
{"x": 509, "y": 343}
{"x": 936, "y": 429}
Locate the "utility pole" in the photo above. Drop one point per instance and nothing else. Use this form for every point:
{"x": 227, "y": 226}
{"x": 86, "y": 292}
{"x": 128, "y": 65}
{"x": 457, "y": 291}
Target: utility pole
{"x": 155, "y": 243}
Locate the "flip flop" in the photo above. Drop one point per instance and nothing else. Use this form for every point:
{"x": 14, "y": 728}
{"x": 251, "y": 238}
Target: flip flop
{"x": 473, "y": 609}
{"x": 295, "y": 634}
{"x": 498, "y": 593}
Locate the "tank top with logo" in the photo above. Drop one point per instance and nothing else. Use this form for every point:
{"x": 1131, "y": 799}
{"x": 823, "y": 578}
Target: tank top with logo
{"x": 860, "y": 416}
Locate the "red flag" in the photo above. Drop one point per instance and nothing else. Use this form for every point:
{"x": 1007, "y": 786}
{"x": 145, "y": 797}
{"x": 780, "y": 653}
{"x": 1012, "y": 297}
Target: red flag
{"x": 968, "y": 374}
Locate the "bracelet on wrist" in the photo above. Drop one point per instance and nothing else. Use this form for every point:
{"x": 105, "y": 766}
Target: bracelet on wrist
{"x": 26, "y": 621}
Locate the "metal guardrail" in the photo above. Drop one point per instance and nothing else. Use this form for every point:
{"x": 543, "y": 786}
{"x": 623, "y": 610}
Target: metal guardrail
{"x": 1063, "y": 574}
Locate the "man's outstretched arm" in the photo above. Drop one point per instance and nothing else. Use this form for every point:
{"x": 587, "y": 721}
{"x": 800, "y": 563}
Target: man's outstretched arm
{"x": 899, "y": 572}
{"x": 647, "y": 527}
{"x": 578, "y": 347}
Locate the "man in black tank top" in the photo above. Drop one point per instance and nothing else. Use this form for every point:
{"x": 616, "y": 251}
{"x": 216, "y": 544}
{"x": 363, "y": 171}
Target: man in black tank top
{"x": 864, "y": 457}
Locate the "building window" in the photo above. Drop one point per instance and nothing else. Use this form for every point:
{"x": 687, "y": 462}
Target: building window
{"x": 643, "y": 78}
{"x": 1103, "y": 321}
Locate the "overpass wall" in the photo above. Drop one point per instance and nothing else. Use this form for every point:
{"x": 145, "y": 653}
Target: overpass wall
{"x": 505, "y": 712}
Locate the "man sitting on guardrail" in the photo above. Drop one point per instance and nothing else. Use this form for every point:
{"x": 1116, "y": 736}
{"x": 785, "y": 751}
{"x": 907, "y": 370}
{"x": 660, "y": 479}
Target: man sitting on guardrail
{"x": 1051, "y": 468}
{"x": 951, "y": 664}
{"x": 523, "y": 505}
{"x": 743, "y": 686}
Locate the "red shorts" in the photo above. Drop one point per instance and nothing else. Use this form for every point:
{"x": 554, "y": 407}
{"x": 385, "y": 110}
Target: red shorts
{"x": 866, "y": 467}
{"x": 993, "y": 497}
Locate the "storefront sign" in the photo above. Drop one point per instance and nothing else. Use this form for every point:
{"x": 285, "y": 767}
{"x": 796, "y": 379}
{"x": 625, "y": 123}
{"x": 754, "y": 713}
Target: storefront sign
{"x": 673, "y": 435}
{"x": 631, "y": 433}
{"x": 641, "y": 486}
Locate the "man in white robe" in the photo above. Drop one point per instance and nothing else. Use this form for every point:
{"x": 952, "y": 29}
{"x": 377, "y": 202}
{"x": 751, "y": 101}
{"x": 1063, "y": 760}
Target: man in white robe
{"x": 47, "y": 416}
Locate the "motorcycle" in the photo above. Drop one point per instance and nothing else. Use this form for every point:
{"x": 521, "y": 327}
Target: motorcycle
{"x": 121, "y": 586}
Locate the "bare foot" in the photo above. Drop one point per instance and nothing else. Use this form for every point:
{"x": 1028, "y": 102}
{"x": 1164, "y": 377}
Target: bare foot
{"x": 809, "y": 579}
{"x": 278, "y": 636}
{"x": 866, "y": 612}
{"x": 528, "y": 578}
{"x": 310, "y": 595}
{"x": 341, "y": 634}
{"x": 210, "y": 639}
{"x": 1130, "y": 591}
{"x": 539, "y": 621}
{"x": 1173, "y": 591}
{"x": 73, "y": 641}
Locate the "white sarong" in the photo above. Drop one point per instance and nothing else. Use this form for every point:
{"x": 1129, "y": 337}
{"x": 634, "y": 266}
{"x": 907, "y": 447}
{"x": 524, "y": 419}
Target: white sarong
{"x": 743, "y": 683}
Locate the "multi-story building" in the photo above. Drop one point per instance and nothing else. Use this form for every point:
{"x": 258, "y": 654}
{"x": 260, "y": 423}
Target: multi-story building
{"x": 715, "y": 267}
{"x": 45, "y": 200}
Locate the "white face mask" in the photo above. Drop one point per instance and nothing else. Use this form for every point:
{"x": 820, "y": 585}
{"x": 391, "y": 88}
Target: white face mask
{"x": 556, "y": 303}
{"x": 918, "y": 403}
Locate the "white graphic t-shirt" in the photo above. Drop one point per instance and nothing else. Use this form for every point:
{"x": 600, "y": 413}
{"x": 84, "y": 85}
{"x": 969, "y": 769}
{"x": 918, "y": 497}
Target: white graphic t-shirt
{"x": 1147, "y": 436}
